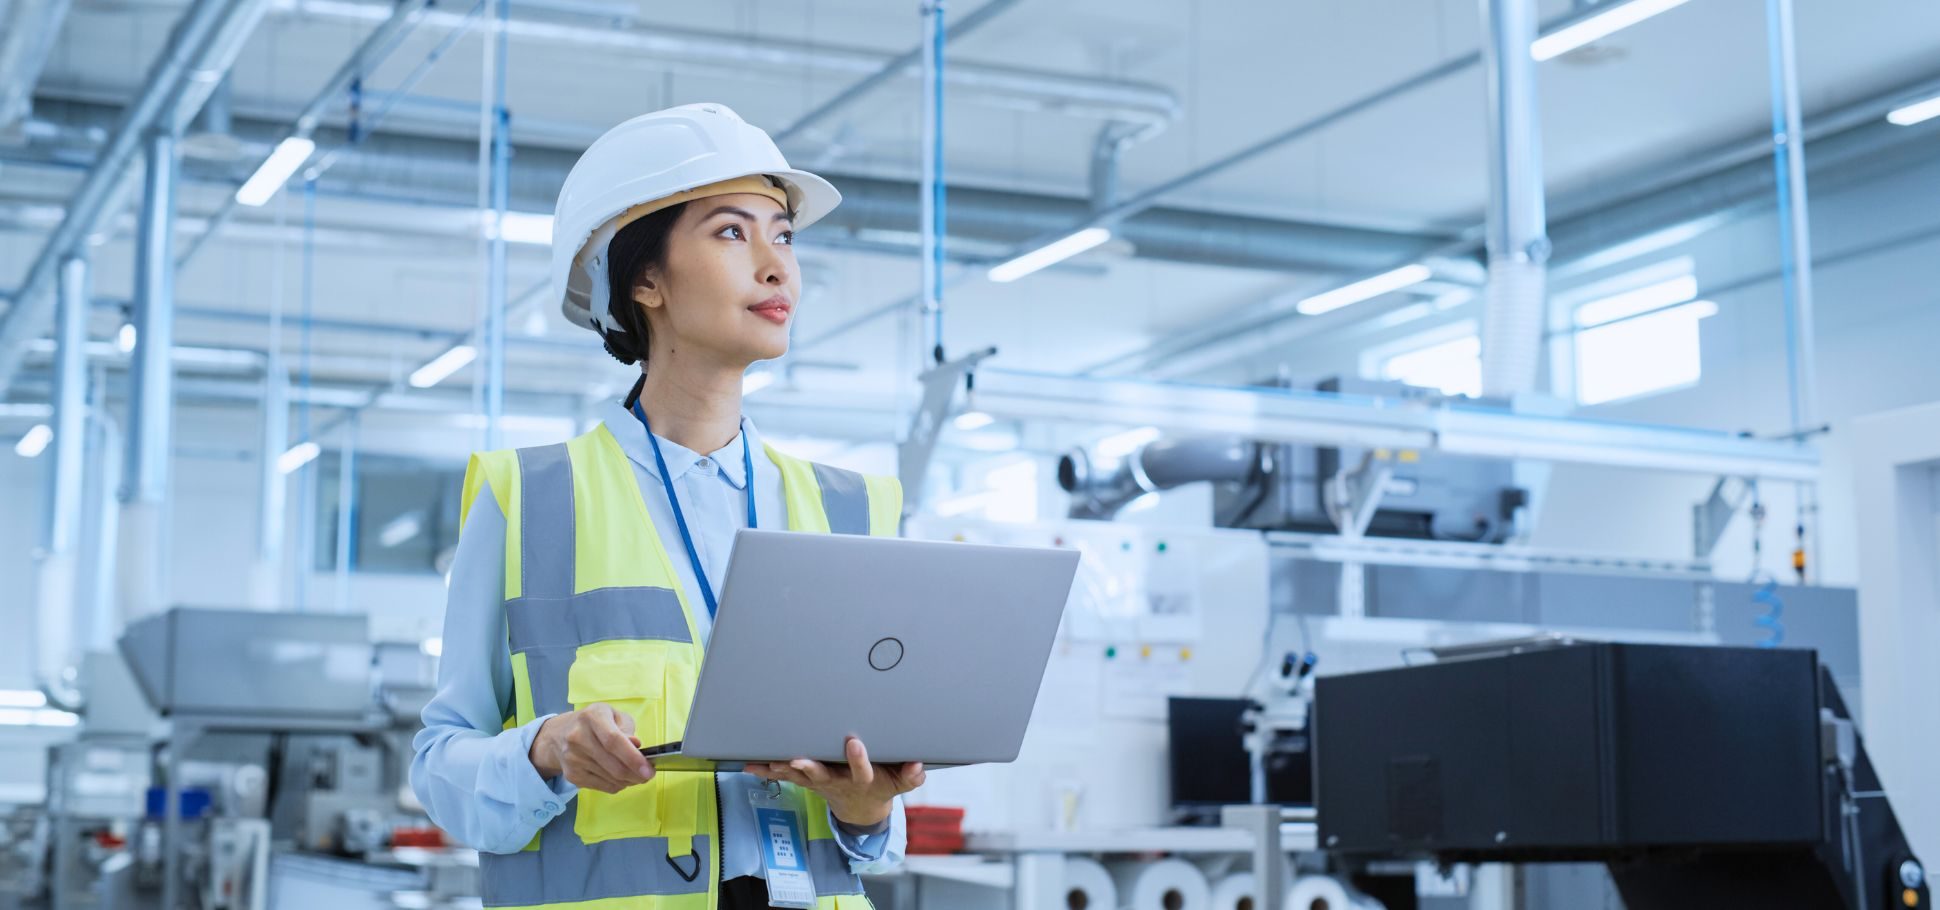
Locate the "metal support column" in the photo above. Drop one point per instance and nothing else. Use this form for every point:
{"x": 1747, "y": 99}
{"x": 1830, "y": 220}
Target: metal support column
{"x": 104, "y": 478}
{"x": 1794, "y": 227}
{"x": 59, "y": 583}
{"x": 346, "y": 512}
{"x": 931, "y": 190}
{"x": 1795, "y": 253}
{"x": 495, "y": 273}
{"x": 144, "y": 581}
{"x": 273, "y": 490}
{"x": 1518, "y": 247}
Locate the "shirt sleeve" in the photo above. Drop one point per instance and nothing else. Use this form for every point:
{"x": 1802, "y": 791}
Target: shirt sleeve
{"x": 877, "y": 849}
{"x": 474, "y": 777}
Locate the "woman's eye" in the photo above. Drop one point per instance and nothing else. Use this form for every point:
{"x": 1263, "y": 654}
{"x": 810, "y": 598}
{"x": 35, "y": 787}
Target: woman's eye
{"x": 787, "y": 238}
{"x": 735, "y": 228}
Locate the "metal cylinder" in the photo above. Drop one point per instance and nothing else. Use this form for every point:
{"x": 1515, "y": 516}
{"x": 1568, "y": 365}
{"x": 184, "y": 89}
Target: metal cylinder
{"x": 1512, "y": 321}
{"x": 1101, "y": 485}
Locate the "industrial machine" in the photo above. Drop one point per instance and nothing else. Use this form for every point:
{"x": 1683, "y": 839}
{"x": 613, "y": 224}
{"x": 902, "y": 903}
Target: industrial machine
{"x": 1700, "y": 776}
{"x": 1260, "y": 486}
{"x": 266, "y": 754}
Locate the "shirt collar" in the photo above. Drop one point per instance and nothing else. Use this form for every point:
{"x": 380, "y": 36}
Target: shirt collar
{"x": 632, "y": 438}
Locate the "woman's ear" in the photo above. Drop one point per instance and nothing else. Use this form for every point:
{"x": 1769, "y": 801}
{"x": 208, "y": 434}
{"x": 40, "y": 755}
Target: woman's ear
{"x": 647, "y": 294}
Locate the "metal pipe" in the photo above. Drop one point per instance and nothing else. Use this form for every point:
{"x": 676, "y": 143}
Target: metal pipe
{"x": 56, "y": 620}
{"x": 104, "y": 449}
{"x": 346, "y": 513}
{"x": 26, "y": 40}
{"x": 198, "y": 40}
{"x": 1101, "y": 485}
{"x": 145, "y": 581}
{"x": 1794, "y": 224}
{"x": 930, "y": 188}
{"x": 1019, "y": 89}
{"x": 272, "y": 489}
{"x": 420, "y": 169}
{"x": 1513, "y": 299}
{"x": 895, "y": 67}
{"x": 500, "y": 188}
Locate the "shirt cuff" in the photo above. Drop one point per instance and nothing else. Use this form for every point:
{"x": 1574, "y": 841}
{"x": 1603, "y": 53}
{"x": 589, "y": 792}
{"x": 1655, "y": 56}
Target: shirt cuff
{"x": 861, "y": 843}
{"x": 538, "y": 800}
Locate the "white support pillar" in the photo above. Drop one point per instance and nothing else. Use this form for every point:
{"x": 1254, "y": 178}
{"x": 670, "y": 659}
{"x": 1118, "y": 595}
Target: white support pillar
{"x": 1896, "y": 478}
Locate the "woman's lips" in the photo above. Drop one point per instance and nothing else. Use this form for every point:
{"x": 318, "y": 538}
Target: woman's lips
{"x": 774, "y": 309}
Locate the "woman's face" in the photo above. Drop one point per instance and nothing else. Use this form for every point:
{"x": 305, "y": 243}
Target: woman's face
{"x": 729, "y": 286}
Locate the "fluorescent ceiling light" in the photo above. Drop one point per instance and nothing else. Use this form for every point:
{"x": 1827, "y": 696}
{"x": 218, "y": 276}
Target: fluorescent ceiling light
{"x": 1642, "y": 300}
{"x": 1615, "y": 18}
{"x": 973, "y": 420}
{"x": 1917, "y": 112}
{"x": 21, "y": 698}
{"x": 35, "y": 441}
{"x": 1119, "y": 445}
{"x": 125, "y": 338}
{"x": 275, "y": 171}
{"x": 1050, "y": 254}
{"x": 298, "y": 455}
{"x": 1365, "y": 289}
{"x": 756, "y": 381}
{"x": 442, "y": 366}
{"x": 522, "y": 227}
{"x": 400, "y": 529}
{"x": 36, "y": 717}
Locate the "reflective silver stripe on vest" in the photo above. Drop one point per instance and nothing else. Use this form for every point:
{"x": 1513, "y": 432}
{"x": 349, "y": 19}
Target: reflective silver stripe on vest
{"x": 546, "y": 521}
{"x": 829, "y": 866}
{"x": 845, "y": 497}
{"x": 549, "y": 632}
{"x": 607, "y": 613}
{"x": 568, "y": 870}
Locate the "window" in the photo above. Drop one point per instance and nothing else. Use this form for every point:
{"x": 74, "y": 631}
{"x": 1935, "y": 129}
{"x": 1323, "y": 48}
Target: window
{"x": 1449, "y": 359}
{"x": 406, "y": 513}
{"x": 1639, "y": 340}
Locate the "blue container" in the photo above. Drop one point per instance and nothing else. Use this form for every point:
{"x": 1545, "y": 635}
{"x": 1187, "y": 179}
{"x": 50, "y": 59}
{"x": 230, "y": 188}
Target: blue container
{"x": 195, "y": 802}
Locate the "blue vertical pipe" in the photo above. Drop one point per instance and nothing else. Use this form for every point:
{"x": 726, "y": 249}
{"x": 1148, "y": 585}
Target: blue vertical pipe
{"x": 306, "y": 510}
{"x": 495, "y": 278}
{"x": 1794, "y": 231}
{"x": 932, "y": 189}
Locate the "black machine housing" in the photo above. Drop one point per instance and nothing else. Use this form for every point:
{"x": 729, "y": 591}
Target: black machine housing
{"x": 1701, "y": 776}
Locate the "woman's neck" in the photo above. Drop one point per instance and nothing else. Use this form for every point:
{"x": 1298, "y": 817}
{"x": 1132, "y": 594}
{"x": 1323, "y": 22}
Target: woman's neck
{"x": 696, "y": 408}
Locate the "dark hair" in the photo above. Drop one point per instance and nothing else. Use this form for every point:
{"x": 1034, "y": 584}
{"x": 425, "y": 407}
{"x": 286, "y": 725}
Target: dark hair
{"x": 636, "y": 248}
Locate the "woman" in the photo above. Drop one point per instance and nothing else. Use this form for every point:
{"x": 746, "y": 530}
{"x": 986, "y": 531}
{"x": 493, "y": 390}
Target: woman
{"x": 582, "y": 592}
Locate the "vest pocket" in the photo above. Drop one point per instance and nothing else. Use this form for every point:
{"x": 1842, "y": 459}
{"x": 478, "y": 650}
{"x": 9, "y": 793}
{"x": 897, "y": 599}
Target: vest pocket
{"x": 632, "y": 676}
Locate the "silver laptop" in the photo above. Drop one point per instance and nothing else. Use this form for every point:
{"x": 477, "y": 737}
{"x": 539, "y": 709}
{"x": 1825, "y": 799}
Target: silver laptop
{"x": 929, "y": 651}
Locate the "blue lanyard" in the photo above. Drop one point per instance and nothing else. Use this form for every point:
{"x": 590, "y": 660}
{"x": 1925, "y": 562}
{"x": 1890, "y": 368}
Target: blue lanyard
{"x": 686, "y": 537}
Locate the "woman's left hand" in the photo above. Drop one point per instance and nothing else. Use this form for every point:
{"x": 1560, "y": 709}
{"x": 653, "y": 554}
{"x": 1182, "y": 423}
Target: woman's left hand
{"x": 860, "y": 794}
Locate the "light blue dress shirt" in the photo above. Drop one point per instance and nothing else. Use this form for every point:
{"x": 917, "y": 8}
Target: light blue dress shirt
{"x": 476, "y": 780}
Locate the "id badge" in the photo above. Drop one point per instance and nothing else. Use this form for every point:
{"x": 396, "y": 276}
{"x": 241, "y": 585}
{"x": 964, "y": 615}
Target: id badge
{"x": 784, "y": 847}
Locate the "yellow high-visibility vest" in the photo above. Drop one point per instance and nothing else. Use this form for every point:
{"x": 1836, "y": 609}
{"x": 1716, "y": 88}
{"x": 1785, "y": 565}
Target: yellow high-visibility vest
{"x": 595, "y": 613}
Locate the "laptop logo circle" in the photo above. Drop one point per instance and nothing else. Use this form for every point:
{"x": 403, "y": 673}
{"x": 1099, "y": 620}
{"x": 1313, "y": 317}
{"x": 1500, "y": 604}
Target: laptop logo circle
{"x": 886, "y": 654}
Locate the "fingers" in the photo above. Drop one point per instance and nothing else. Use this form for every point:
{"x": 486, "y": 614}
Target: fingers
{"x": 781, "y": 771}
{"x": 818, "y": 774}
{"x": 860, "y": 771}
{"x": 912, "y": 776}
{"x": 601, "y": 755}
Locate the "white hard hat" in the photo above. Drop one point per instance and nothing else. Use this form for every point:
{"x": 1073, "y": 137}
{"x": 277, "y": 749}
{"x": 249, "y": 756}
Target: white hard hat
{"x": 651, "y": 158}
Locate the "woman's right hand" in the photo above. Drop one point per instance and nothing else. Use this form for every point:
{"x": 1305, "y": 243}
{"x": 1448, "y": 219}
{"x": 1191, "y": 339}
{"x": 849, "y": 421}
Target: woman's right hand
{"x": 593, "y": 747}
